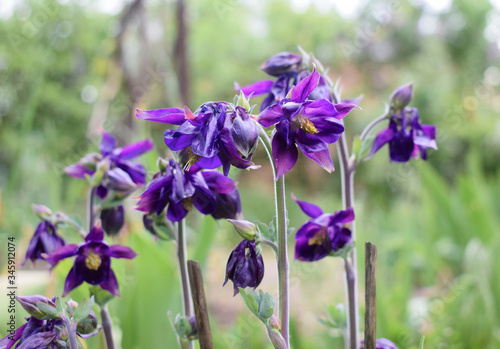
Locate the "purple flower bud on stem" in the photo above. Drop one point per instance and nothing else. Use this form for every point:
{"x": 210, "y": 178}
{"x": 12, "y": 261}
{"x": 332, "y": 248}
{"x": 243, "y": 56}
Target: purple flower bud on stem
{"x": 402, "y": 96}
{"x": 112, "y": 220}
{"x": 29, "y": 304}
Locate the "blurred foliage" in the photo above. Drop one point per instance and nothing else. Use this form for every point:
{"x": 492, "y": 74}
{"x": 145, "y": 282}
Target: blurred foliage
{"x": 435, "y": 223}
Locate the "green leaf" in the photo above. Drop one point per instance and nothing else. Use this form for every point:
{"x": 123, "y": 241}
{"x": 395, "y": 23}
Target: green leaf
{"x": 290, "y": 231}
{"x": 59, "y": 305}
{"x": 101, "y": 296}
{"x": 250, "y": 301}
{"x": 83, "y": 310}
{"x": 47, "y": 309}
{"x": 266, "y": 232}
{"x": 266, "y": 306}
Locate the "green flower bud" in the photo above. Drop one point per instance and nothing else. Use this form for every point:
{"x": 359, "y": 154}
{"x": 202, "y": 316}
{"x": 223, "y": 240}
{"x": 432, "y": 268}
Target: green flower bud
{"x": 245, "y": 229}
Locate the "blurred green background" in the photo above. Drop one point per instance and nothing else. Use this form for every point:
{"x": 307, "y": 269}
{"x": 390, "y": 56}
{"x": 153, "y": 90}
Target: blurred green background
{"x": 69, "y": 67}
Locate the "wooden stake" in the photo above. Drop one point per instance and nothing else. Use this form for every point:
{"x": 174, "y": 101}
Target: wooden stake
{"x": 200, "y": 305}
{"x": 370, "y": 295}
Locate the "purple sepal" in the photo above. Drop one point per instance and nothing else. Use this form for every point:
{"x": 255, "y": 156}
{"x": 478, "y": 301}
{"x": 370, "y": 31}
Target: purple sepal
{"x": 244, "y": 269}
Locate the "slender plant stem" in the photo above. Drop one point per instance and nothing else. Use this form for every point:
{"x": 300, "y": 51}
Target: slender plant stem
{"x": 77, "y": 226}
{"x": 73, "y": 342}
{"x": 347, "y": 168}
{"x": 107, "y": 327}
{"x": 182, "y": 257}
{"x": 281, "y": 248}
{"x": 372, "y": 124}
{"x": 91, "y": 208}
{"x": 282, "y": 258}
{"x": 271, "y": 244}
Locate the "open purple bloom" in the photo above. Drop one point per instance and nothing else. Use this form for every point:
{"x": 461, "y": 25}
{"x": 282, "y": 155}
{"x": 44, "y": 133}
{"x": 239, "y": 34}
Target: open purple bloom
{"x": 406, "y": 136}
{"x": 45, "y": 240}
{"x": 123, "y": 175}
{"x": 92, "y": 263}
{"x": 217, "y": 133}
{"x": 245, "y": 268}
{"x": 306, "y": 124}
{"x": 381, "y": 343}
{"x": 323, "y": 234}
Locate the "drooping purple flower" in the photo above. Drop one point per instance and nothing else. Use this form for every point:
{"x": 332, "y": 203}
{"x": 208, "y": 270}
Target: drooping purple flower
{"x": 324, "y": 234}
{"x": 177, "y": 191}
{"x": 217, "y": 133}
{"x": 227, "y": 197}
{"x": 381, "y": 343}
{"x": 45, "y": 240}
{"x": 245, "y": 268}
{"x": 92, "y": 263}
{"x": 123, "y": 175}
{"x": 35, "y": 333}
{"x": 405, "y": 135}
{"x": 306, "y": 124}
{"x": 112, "y": 219}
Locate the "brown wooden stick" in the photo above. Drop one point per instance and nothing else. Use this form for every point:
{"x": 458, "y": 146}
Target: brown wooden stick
{"x": 200, "y": 305}
{"x": 370, "y": 295}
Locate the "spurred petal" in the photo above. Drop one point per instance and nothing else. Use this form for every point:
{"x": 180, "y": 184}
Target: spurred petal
{"x": 218, "y": 183}
{"x": 321, "y": 157}
{"x": 382, "y": 138}
{"x": 108, "y": 143}
{"x": 111, "y": 284}
{"x": 309, "y": 209}
{"x": 305, "y": 87}
{"x": 271, "y": 115}
{"x": 119, "y": 251}
{"x": 340, "y": 217}
{"x": 133, "y": 150}
{"x": 256, "y": 89}
{"x": 77, "y": 171}
{"x": 96, "y": 234}
{"x": 61, "y": 253}
{"x": 73, "y": 280}
{"x": 209, "y": 163}
{"x": 284, "y": 158}
{"x": 174, "y": 116}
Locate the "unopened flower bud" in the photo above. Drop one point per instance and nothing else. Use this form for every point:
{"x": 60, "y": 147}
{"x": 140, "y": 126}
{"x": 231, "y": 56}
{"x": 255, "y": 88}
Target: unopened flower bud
{"x": 88, "y": 325}
{"x": 119, "y": 181}
{"x": 402, "y": 96}
{"x": 281, "y": 63}
{"x": 112, "y": 220}
{"x": 276, "y": 338}
{"x": 30, "y": 305}
{"x": 274, "y": 322}
{"x": 244, "y": 228}
{"x": 42, "y": 211}
{"x": 162, "y": 164}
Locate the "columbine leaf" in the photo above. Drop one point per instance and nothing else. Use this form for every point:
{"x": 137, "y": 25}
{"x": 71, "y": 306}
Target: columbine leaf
{"x": 266, "y": 306}
{"x": 250, "y": 301}
{"x": 50, "y": 311}
{"x": 265, "y": 232}
{"x": 83, "y": 310}
{"x": 59, "y": 305}
{"x": 101, "y": 296}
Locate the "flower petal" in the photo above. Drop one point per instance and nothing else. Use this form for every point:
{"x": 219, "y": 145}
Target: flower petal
{"x": 111, "y": 284}
{"x": 305, "y": 87}
{"x": 309, "y": 209}
{"x": 119, "y": 251}
{"x": 96, "y": 234}
{"x": 343, "y": 109}
{"x": 256, "y": 89}
{"x": 77, "y": 171}
{"x": 382, "y": 138}
{"x": 306, "y": 249}
{"x": 218, "y": 183}
{"x": 180, "y": 138}
{"x": 321, "y": 157}
{"x": 108, "y": 143}
{"x": 284, "y": 158}
{"x": 174, "y": 116}
{"x": 204, "y": 143}
{"x": 133, "y": 150}
{"x": 271, "y": 115}
{"x": 176, "y": 211}
{"x": 61, "y": 253}
{"x": 73, "y": 280}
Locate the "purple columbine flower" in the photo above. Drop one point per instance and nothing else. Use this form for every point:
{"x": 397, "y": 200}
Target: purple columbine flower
{"x": 123, "y": 175}
{"x": 381, "y": 343}
{"x": 33, "y": 334}
{"x": 92, "y": 263}
{"x": 405, "y": 135}
{"x": 324, "y": 234}
{"x": 45, "y": 240}
{"x": 179, "y": 190}
{"x": 245, "y": 268}
{"x": 306, "y": 124}
{"x": 217, "y": 133}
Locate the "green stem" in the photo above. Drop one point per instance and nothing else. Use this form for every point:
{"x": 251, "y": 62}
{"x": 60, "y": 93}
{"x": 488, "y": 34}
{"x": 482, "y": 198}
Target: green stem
{"x": 186, "y": 292}
{"x": 77, "y": 226}
{"x": 107, "y": 327}
{"x": 271, "y": 244}
{"x": 91, "y": 208}
{"x": 71, "y": 328}
{"x": 372, "y": 124}
{"x": 282, "y": 253}
{"x": 347, "y": 167}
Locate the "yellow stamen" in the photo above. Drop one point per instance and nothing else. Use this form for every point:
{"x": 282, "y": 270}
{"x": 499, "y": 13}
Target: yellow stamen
{"x": 93, "y": 261}
{"x": 318, "y": 239}
{"x": 307, "y": 126}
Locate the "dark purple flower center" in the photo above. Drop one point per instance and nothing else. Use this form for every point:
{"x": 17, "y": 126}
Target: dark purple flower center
{"x": 93, "y": 261}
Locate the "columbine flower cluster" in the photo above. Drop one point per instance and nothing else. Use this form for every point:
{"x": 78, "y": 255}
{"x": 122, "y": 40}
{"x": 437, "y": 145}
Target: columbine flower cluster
{"x": 405, "y": 135}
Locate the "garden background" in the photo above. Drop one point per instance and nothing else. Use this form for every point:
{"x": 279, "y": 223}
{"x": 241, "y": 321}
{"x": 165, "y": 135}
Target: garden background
{"x": 70, "y": 67}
